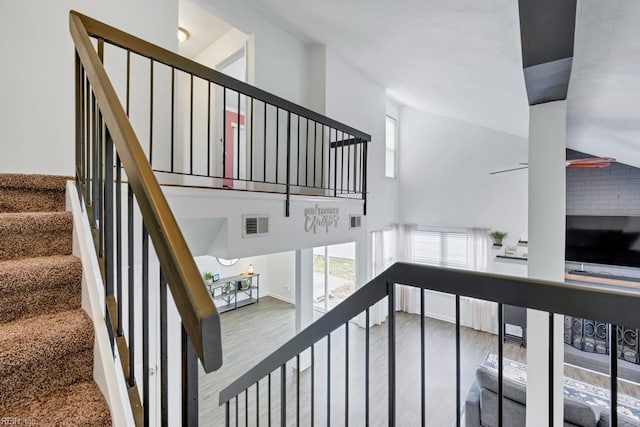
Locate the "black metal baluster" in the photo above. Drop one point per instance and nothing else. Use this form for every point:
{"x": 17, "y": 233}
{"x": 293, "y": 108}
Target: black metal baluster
{"x": 329, "y": 379}
{"x": 238, "y": 141}
{"x": 348, "y": 161}
{"x": 251, "y": 140}
{"x": 258, "y": 403}
{"x": 264, "y": 153}
{"x": 173, "y": 119}
{"x": 189, "y": 382}
{"x": 355, "y": 165}
{"x": 298, "y": 168}
{"x": 269, "y": 400}
{"x": 227, "y": 414}
{"x": 288, "y": 202}
{"x": 277, "y": 142}
{"x": 551, "y": 368}
{"x": 130, "y": 296}
{"x": 366, "y": 367}
{"x": 364, "y": 175}
{"x": 346, "y": 375}
{"x": 335, "y": 165}
{"x": 298, "y": 387}
{"x": 500, "y": 363}
{"x": 392, "y": 353}
{"x": 120, "y": 331}
{"x": 237, "y": 413}
{"x": 191, "y": 125}
{"x": 322, "y": 160}
{"x": 100, "y": 184}
{"x": 458, "y": 373}
{"x": 224, "y": 133}
{"x": 423, "y": 406}
{"x": 164, "y": 361}
{"x": 613, "y": 373}
{"x": 78, "y": 115}
{"x": 283, "y": 395}
{"x": 108, "y": 227}
{"x": 208, "y": 128}
{"x": 342, "y": 162}
{"x": 306, "y": 156}
{"x": 313, "y": 381}
{"x": 145, "y": 324}
{"x": 315, "y": 151}
{"x": 246, "y": 407}
{"x": 151, "y": 113}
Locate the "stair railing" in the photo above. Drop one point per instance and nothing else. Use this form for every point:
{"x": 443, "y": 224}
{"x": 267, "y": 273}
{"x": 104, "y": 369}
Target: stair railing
{"x": 225, "y": 133}
{"x": 263, "y": 394}
{"x": 112, "y": 173}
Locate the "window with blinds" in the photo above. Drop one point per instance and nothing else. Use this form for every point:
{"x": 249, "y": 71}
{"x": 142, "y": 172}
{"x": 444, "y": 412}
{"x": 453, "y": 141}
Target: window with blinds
{"x": 449, "y": 249}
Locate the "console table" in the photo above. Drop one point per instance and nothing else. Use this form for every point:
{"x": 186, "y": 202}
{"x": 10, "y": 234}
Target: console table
{"x": 233, "y": 292}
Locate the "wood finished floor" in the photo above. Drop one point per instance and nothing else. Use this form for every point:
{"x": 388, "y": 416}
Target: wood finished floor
{"x": 252, "y": 332}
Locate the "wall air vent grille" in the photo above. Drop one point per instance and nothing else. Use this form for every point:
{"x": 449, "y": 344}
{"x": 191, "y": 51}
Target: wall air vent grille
{"x": 355, "y": 221}
{"x": 255, "y": 225}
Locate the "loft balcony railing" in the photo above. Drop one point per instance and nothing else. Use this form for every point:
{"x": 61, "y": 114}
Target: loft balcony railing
{"x": 271, "y": 393}
{"x": 204, "y": 128}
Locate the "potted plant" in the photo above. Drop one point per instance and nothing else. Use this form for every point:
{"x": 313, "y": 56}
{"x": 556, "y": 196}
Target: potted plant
{"x": 497, "y": 237}
{"x": 208, "y": 277}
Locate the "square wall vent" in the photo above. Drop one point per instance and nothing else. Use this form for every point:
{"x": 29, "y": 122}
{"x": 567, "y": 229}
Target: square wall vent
{"x": 255, "y": 225}
{"x": 355, "y": 221}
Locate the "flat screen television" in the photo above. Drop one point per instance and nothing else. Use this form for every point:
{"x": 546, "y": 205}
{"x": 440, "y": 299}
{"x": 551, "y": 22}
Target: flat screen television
{"x": 609, "y": 240}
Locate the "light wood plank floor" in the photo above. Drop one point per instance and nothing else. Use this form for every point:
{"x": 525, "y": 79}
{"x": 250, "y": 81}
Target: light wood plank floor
{"x": 252, "y": 332}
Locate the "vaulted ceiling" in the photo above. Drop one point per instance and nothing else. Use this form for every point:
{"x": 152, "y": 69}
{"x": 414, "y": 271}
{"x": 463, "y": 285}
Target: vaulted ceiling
{"x": 462, "y": 59}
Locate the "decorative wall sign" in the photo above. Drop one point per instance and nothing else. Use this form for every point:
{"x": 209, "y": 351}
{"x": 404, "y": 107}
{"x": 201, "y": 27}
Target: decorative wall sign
{"x": 320, "y": 218}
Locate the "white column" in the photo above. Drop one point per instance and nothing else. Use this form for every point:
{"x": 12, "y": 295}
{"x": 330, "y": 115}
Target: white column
{"x": 304, "y": 296}
{"x": 547, "y": 175}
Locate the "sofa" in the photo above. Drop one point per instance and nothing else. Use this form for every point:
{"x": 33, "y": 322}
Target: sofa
{"x": 481, "y": 405}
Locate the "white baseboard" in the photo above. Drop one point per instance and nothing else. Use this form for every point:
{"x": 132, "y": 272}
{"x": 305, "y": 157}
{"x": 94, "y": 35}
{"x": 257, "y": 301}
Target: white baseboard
{"x": 279, "y": 297}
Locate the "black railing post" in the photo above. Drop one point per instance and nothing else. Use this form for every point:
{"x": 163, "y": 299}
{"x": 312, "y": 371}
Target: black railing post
{"x": 189, "y": 383}
{"x": 392, "y": 353}
{"x": 364, "y": 177}
{"x": 287, "y": 206}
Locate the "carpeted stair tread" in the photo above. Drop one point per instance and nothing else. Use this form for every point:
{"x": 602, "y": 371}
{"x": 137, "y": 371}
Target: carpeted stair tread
{"x": 40, "y": 338}
{"x": 32, "y": 193}
{"x": 43, "y": 354}
{"x": 80, "y": 404}
{"x": 35, "y": 286}
{"x": 35, "y": 234}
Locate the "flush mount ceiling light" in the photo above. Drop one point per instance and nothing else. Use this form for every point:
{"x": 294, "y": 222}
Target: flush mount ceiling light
{"x": 183, "y": 35}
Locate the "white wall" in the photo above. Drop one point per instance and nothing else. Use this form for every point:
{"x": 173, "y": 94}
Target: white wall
{"x": 444, "y": 179}
{"x": 37, "y": 73}
{"x": 285, "y": 233}
{"x": 277, "y": 272}
{"x": 356, "y": 100}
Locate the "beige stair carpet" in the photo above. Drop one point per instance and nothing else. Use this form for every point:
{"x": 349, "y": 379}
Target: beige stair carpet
{"x": 46, "y": 339}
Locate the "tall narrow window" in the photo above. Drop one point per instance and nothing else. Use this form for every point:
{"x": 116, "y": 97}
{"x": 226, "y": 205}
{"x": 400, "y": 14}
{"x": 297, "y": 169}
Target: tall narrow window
{"x": 390, "y": 153}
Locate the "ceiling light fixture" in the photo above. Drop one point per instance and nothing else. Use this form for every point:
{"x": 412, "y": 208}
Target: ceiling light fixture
{"x": 183, "y": 35}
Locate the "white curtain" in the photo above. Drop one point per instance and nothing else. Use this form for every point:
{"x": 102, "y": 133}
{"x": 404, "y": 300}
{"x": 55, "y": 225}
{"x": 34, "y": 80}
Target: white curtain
{"x": 379, "y": 312}
{"x": 407, "y": 297}
{"x": 474, "y": 313}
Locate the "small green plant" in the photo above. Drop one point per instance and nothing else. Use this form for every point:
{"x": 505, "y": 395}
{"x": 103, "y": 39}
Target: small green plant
{"x": 498, "y": 235}
{"x": 207, "y": 275}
